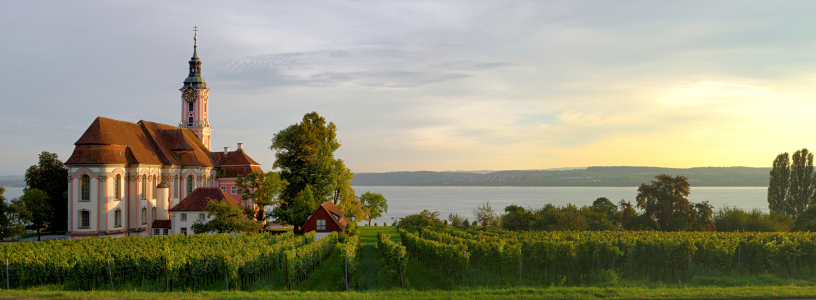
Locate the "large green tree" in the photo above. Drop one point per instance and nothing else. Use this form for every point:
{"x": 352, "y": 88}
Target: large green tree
{"x": 11, "y": 226}
{"x": 51, "y": 176}
{"x": 263, "y": 188}
{"x": 778, "y": 185}
{"x": 486, "y": 215}
{"x": 304, "y": 154}
{"x": 802, "y": 187}
{"x": 34, "y": 209}
{"x": 343, "y": 194}
{"x": 374, "y": 205}
{"x": 228, "y": 219}
{"x": 421, "y": 221}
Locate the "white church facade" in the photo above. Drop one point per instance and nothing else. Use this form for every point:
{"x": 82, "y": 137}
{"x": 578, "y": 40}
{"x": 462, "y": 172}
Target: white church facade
{"x": 126, "y": 178}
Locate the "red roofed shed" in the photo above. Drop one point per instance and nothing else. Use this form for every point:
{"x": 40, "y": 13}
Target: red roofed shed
{"x": 326, "y": 218}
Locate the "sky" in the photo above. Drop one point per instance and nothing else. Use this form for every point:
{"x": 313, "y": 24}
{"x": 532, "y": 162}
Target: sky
{"x": 426, "y": 85}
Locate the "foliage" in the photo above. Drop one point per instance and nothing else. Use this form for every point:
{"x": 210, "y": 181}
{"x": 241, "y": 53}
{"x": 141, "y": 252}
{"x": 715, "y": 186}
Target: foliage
{"x": 263, "y": 188}
{"x": 802, "y": 186}
{"x": 34, "y": 209}
{"x": 393, "y": 254}
{"x": 449, "y": 259}
{"x": 455, "y": 220}
{"x": 421, "y": 221}
{"x": 778, "y": 185}
{"x": 304, "y": 154}
{"x": 181, "y": 258}
{"x": 665, "y": 207}
{"x": 606, "y": 207}
{"x": 350, "y": 248}
{"x": 735, "y": 219}
{"x": 806, "y": 221}
{"x": 343, "y": 194}
{"x": 373, "y": 204}
{"x": 228, "y": 219}
{"x": 516, "y": 218}
{"x": 50, "y": 176}
{"x": 11, "y": 227}
{"x": 303, "y": 260}
{"x": 351, "y": 228}
{"x": 486, "y": 216}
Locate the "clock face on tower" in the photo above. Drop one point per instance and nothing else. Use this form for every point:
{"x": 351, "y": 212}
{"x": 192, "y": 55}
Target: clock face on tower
{"x": 190, "y": 95}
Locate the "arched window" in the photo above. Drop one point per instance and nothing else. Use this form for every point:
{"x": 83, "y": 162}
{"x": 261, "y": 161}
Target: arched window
{"x": 176, "y": 186}
{"x": 190, "y": 184}
{"x": 144, "y": 215}
{"x": 118, "y": 187}
{"x": 190, "y": 120}
{"x": 85, "y": 187}
{"x": 155, "y": 186}
{"x": 190, "y": 106}
{"x": 84, "y": 219}
{"x": 117, "y": 218}
{"x": 144, "y": 186}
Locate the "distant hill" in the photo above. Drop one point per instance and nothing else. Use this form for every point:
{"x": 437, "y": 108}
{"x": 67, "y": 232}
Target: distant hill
{"x": 589, "y": 177}
{"x": 12, "y": 180}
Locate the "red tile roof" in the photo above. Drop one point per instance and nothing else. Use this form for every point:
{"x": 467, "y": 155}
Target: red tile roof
{"x": 162, "y": 224}
{"x": 334, "y": 212}
{"x": 119, "y": 142}
{"x": 199, "y": 198}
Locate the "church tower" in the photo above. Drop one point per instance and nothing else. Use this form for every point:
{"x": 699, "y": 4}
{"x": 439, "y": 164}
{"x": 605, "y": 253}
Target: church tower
{"x": 194, "y": 98}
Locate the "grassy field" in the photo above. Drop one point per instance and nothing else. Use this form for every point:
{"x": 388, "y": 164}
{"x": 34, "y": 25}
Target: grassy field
{"x": 421, "y": 282}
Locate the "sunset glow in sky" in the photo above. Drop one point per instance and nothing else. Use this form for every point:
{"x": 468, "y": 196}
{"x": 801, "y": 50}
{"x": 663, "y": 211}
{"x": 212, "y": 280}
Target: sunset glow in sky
{"x": 426, "y": 85}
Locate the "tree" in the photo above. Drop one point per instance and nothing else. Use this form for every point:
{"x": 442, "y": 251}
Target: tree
{"x": 421, "y": 221}
{"x": 343, "y": 194}
{"x": 263, "y": 188}
{"x": 35, "y": 210}
{"x": 486, "y": 216}
{"x": 373, "y": 204}
{"x": 228, "y": 219}
{"x": 304, "y": 154}
{"x": 664, "y": 203}
{"x": 778, "y": 185}
{"x": 606, "y": 207}
{"x": 455, "y": 220}
{"x": 802, "y": 187}
{"x": 303, "y": 205}
{"x": 11, "y": 226}
{"x": 50, "y": 176}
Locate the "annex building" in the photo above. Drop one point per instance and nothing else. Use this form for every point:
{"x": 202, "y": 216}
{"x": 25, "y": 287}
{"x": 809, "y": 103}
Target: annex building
{"x": 147, "y": 178}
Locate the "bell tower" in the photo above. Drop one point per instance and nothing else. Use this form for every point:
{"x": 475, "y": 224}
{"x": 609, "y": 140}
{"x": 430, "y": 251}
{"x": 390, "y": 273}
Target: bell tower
{"x": 194, "y": 98}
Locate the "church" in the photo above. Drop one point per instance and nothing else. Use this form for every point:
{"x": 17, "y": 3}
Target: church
{"x": 144, "y": 178}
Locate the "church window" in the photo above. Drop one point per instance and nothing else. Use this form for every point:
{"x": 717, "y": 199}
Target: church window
{"x": 155, "y": 186}
{"x": 144, "y": 215}
{"x": 184, "y": 217}
{"x": 117, "y": 218}
{"x": 190, "y": 184}
{"x": 190, "y": 108}
{"x": 118, "y": 195}
{"x": 176, "y": 185}
{"x": 144, "y": 186}
{"x": 321, "y": 224}
{"x": 85, "y": 187}
{"x": 84, "y": 219}
{"x": 190, "y": 121}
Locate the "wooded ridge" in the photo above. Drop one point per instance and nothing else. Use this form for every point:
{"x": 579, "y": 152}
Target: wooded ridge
{"x": 589, "y": 177}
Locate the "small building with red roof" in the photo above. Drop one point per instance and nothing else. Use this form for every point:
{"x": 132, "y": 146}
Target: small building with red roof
{"x": 191, "y": 210}
{"x": 325, "y": 219}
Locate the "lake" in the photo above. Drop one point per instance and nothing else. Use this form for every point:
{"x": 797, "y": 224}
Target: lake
{"x": 406, "y": 200}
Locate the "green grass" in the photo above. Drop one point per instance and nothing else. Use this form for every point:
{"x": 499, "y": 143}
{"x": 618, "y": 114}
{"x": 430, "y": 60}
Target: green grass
{"x": 766, "y": 292}
{"x": 328, "y": 276}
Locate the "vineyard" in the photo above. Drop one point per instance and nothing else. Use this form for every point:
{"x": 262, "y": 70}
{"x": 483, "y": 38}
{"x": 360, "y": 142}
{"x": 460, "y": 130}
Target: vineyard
{"x": 583, "y": 257}
{"x": 223, "y": 262}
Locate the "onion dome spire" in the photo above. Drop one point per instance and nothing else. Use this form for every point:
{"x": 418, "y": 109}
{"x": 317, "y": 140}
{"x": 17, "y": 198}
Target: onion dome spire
{"x": 194, "y": 79}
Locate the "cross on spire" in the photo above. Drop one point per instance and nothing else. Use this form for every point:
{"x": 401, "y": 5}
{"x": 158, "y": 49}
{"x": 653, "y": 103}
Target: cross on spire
{"x": 195, "y": 35}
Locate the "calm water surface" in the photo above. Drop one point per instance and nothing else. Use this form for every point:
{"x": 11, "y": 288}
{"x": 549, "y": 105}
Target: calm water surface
{"x": 406, "y": 200}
